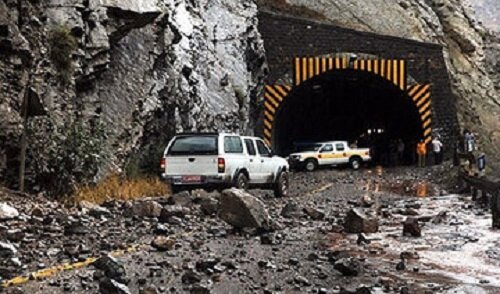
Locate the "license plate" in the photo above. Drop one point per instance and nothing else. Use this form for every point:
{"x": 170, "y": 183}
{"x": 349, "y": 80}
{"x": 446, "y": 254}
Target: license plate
{"x": 191, "y": 179}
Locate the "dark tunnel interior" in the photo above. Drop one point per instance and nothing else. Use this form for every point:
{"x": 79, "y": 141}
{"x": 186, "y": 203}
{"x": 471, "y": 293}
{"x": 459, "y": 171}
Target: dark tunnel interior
{"x": 351, "y": 105}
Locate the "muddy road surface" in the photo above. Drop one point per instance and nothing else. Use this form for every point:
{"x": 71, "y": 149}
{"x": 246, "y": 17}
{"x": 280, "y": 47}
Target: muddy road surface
{"x": 398, "y": 230}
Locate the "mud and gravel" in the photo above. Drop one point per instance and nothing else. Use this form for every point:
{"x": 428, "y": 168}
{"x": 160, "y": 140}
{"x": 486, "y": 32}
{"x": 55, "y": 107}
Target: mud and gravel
{"x": 305, "y": 251}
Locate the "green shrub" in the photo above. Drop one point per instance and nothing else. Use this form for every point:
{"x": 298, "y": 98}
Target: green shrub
{"x": 65, "y": 157}
{"x": 62, "y": 45}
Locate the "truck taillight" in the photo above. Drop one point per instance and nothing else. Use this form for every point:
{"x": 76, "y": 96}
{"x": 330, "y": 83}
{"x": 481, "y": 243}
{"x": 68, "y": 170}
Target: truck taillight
{"x": 163, "y": 163}
{"x": 221, "y": 165}
{"x": 367, "y": 153}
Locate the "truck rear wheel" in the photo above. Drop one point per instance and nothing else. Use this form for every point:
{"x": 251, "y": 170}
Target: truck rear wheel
{"x": 281, "y": 186}
{"x": 241, "y": 181}
{"x": 355, "y": 162}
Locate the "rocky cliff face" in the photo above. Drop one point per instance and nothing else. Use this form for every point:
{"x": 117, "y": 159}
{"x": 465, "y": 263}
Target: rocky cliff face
{"x": 470, "y": 50}
{"x": 140, "y": 71}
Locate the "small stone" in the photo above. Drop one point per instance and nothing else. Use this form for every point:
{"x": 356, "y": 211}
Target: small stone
{"x": 206, "y": 264}
{"x": 76, "y": 229}
{"x": 181, "y": 199}
{"x": 314, "y": 213}
{"x": 175, "y": 210}
{"x": 7, "y": 212}
{"x": 357, "y": 222}
{"x": 110, "y": 286}
{"x": 401, "y": 266}
{"x": 112, "y": 268}
{"x": 267, "y": 239}
{"x": 149, "y": 290}
{"x": 293, "y": 261}
{"x": 162, "y": 243}
{"x": 146, "y": 208}
{"x": 7, "y": 249}
{"x": 209, "y": 205}
{"x": 191, "y": 277}
{"x": 366, "y": 200}
{"x": 348, "y": 266}
{"x": 292, "y": 210}
{"x": 362, "y": 239}
{"x": 409, "y": 255}
{"x": 302, "y": 281}
{"x": 411, "y": 227}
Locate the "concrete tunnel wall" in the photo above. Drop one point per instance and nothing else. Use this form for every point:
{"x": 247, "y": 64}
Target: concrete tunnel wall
{"x": 286, "y": 38}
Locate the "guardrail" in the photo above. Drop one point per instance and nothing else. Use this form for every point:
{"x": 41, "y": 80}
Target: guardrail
{"x": 485, "y": 192}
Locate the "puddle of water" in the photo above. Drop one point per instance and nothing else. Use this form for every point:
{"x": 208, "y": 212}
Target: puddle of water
{"x": 404, "y": 188}
{"x": 459, "y": 252}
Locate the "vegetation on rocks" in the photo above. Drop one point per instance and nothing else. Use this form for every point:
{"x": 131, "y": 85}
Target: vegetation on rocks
{"x": 67, "y": 155}
{"x": 62, "y": 45}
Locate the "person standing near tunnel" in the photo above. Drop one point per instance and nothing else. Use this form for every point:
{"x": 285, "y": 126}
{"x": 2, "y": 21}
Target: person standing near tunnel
{"x": 422, "y": 153}
{"x": 437, "y": 148}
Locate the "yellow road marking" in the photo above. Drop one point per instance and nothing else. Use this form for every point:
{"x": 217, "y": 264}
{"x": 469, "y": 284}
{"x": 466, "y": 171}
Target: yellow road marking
{"x": 51, "y": 271}
{"x": 320, "y": 189}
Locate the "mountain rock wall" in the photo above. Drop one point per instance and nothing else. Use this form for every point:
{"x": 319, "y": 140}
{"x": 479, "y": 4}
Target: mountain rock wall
{"x": 140, "y": 71}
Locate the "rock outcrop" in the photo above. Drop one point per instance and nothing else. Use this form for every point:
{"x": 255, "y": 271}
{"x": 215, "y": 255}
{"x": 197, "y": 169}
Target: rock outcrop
{"x": 140, "y": 71}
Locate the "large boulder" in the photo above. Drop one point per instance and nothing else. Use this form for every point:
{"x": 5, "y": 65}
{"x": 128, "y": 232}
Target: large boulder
{"x": 357, "y": 221}
{"x": 242, "y": 210}
{"x": 7, "y": 212}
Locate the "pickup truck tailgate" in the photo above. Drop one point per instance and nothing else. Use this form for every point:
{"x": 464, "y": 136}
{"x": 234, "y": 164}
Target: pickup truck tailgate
{"x": 191, "y": 165}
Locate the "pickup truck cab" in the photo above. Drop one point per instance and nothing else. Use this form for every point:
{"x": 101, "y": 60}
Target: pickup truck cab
{"x": 223, "y": 160}
{"x": 329, "y": 153}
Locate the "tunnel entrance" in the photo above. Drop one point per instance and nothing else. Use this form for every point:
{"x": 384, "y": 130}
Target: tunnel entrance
{"x": 352, "y": 105}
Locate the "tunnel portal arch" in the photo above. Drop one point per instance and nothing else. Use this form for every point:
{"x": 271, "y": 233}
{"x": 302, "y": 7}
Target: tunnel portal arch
{"x": 287, "y": 38}
{"x": 334, "y": 100}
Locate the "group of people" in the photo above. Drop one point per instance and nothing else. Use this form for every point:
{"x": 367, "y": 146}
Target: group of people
{"x": 469, "y": 141}
{"x": 437, "y": 150}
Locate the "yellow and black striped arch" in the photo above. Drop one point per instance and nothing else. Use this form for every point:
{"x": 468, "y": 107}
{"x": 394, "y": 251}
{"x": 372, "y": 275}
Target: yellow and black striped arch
{"x": 393, "y": 70}
{"x": 274, "y": 96}
{"x": 421, "y": 96}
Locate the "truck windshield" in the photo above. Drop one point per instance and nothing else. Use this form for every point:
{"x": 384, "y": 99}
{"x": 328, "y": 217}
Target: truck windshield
{"x": 194, "y": 145}
{"x": 304, "y": 147}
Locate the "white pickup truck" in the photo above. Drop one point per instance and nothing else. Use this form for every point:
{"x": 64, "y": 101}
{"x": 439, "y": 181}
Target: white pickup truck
{"x": 328, "y": 153}
{"x": 222, "y": 160}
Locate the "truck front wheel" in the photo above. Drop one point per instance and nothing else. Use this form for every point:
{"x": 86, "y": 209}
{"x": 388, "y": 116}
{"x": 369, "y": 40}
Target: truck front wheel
{"x": 311, "y": 165}
{"x": 281, "y": 186}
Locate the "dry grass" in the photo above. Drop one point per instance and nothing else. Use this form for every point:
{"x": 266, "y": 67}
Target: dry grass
{"x": 117, "y": 188}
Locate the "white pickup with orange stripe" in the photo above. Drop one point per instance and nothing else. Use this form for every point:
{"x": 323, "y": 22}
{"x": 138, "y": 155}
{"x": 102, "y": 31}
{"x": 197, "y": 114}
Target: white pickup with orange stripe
{"x": 313, "y": 155}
